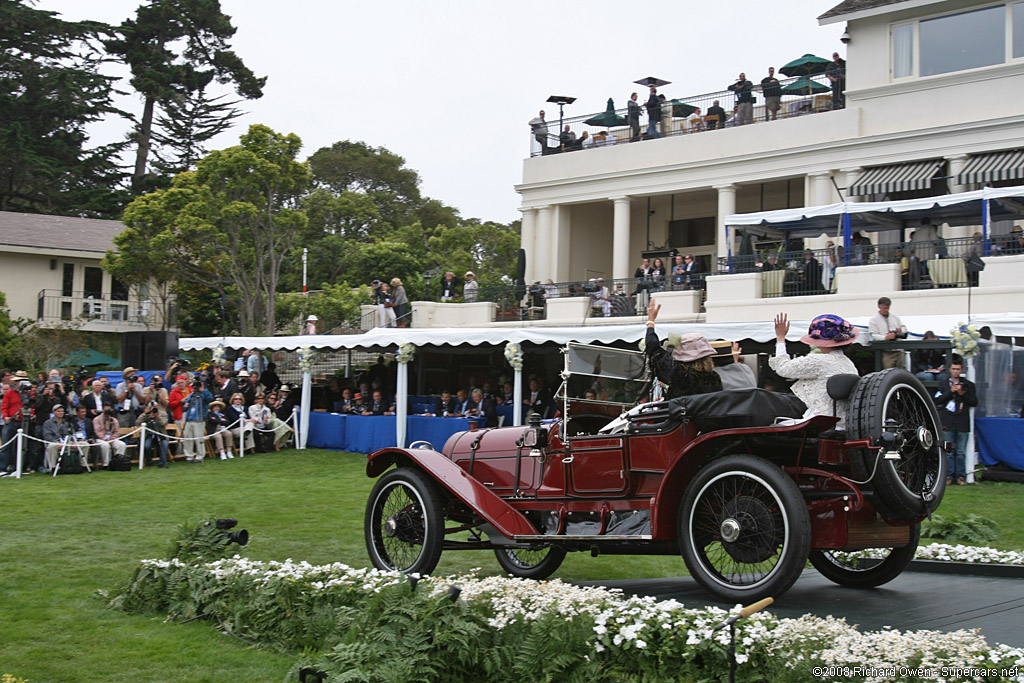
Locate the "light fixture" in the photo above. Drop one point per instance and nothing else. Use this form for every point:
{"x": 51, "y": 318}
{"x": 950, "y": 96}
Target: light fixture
{"x": 845, "y": 38}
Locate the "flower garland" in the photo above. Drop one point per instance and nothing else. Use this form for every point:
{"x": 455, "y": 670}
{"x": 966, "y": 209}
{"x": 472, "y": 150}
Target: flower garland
{"x": 406, "y": 352}
{"x": 965, "y": 340}
{"x": 218, "y": 355}
{"x": 514, "y": 355}
{"x": 307, "y": 356}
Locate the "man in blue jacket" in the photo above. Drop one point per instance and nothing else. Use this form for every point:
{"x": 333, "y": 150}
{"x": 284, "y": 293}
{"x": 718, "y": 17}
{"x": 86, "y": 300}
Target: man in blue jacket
{"x": 194, "y": 408}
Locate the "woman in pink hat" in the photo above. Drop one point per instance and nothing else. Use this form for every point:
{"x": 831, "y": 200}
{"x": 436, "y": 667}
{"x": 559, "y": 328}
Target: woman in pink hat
{"x": 829, "y": 334}
{"x": 686, "y": 365}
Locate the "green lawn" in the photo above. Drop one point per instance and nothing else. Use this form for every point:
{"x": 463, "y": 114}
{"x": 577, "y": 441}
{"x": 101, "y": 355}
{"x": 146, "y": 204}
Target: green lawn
{"x": 64, "y": 538}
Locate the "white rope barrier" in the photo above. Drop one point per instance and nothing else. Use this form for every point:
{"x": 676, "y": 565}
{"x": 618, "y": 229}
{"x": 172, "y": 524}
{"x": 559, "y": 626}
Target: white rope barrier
{"x": 240, "y": 423}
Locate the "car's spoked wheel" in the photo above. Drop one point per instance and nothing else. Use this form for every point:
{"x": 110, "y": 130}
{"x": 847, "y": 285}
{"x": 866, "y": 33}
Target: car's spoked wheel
{"x": 744, "y": 529}
{"x": 892, "y": 407}
{"x": 530, "y": 563}
{"x": 404, "y": 525}
{"x": 866, "y": 569}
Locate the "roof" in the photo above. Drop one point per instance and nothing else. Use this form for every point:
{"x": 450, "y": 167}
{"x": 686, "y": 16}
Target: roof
{"x": 58, "y": 232}
{"x": 854, "y": 7}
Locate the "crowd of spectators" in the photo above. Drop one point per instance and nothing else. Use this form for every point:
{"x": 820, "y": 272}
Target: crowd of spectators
{"x": 243, "y": 403}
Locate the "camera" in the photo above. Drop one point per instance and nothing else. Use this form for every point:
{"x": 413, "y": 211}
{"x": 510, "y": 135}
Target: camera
{"x": 109, "y": 411}
{"x": 182, "y": 363}
{"x": 197, "y": 383}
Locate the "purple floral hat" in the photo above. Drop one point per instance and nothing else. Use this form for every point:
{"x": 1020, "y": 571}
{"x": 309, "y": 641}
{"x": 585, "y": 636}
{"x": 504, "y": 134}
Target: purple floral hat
{"x": 829, "y": 330}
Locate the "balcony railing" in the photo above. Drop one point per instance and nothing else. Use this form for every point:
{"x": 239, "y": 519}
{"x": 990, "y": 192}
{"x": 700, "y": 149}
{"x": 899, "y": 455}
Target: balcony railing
{"x": 681, "y": 116}
{"x": 626, "y": 296}
{"x": 54, "y": 305}
{"x": 923, "y": 265}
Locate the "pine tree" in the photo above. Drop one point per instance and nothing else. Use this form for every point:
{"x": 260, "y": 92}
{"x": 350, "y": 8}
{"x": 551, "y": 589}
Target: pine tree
{"x": 184, "y": 125}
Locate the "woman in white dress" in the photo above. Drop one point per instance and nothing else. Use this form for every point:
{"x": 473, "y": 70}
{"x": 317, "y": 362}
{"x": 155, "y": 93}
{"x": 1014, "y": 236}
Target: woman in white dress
{"x": 242, "y": 424}
{"x": 829, "y": 334}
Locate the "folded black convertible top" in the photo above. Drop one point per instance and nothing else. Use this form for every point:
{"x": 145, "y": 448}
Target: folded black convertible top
{"x": 737, "y": 408}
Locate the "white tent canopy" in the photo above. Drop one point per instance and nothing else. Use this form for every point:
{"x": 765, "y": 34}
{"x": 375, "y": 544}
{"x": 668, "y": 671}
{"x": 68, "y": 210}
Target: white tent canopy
{"x": 1001, "y": 324}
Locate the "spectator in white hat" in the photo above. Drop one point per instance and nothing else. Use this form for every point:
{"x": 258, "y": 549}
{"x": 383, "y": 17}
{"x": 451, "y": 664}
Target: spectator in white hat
{"x": 469, "y": 289}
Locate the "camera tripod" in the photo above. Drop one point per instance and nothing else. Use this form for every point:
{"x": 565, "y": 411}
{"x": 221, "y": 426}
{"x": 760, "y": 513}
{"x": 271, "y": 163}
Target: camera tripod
{"x": 73, "y": 442}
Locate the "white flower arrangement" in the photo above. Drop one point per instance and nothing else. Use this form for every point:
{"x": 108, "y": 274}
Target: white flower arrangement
{"x": 406, "y": 352}
{"x": 218, "y": 354}
{"x": 514, "y": 355}
{"x": 634, "y": 623}
{"x": 965, "y": 340}
{"x": 307, "y": 356}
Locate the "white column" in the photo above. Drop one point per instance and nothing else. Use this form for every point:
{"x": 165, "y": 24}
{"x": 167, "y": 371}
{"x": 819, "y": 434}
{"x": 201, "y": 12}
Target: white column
{"x": 559, "y": 268}
{"x": 726, "y": 207}
{"x": 850, "y": 176}
{"x": 401, "y": 403}
{"x": 528, "y": 241}
{"x": 823, "y": 192}
{"x": 956, "y": 165}
{"x": 517, "y": 400}
{"x": 543, "y": 244}
{"x": 620, "y": 238}
{"x": 305, "y": 406}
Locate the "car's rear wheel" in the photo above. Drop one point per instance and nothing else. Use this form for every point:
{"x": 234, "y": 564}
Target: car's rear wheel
{"x": 404, "y": 523}
{"x": 877, "y": 566}
{"x": 893, "y": 404}
{"x": 530, "y": 563}
{"x": 744, "y": 530}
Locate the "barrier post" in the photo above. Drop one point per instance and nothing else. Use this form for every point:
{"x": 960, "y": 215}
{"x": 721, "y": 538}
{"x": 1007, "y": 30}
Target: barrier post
{"x": 241, "y": 437}
{"x": 20, "y": 457}
{"x": 142, "y": 445}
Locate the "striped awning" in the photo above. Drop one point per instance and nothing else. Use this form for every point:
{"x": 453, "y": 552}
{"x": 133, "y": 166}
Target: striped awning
{"x": 917, "y": 175}
{"x": 988, "y": 168}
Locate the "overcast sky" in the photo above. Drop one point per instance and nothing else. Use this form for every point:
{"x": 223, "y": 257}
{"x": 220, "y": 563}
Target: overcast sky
{"x": 450, "y": 84}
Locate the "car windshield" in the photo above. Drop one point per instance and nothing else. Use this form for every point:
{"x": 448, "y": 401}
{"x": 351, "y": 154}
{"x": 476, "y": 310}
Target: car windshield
{"x": 613, "y": 375}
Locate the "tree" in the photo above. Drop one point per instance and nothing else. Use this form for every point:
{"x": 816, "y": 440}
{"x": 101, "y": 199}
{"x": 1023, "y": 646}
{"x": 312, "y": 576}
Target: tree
{"x": 43, "y": 348}
{"x": 10, "y": 338}
{"x": 146, "y": 44}
{"x": 228, "y": 225}
{"x": 187, "y": 122}
{"x": 50, "y": 90}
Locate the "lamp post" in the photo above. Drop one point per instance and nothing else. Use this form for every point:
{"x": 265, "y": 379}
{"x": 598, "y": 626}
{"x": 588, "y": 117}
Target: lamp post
{"x": 561, "y": 101}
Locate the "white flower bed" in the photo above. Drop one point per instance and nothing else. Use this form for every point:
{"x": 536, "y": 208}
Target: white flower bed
{"x": 644, "y": 623}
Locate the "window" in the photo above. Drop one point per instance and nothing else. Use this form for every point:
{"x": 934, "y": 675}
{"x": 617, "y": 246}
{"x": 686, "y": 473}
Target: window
{"x": 962, "y": 41}
{"x": 692, "y": 232}
{"x": 67, "y": 286}
{"x": 118, "y": 290}
{"x": 1018, "y": 29}
{"x": 903, "y": 51}
{"x": 93, "y": 282}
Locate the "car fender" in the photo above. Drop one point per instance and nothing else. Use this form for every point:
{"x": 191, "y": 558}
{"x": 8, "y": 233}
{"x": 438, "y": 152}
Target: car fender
{"x": 499, "y": 514}
{"x": 704, "y": 449}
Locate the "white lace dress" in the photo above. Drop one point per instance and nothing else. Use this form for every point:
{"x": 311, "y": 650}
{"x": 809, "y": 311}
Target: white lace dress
{"x": 811, "y": 373}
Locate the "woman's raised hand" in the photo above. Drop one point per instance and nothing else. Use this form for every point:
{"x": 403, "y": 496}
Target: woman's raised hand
{"x": 781, "y": 327}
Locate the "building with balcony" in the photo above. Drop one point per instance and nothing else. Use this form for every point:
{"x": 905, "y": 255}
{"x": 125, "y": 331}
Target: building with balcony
{"x": 50, "y": 273}
{"x": 934, "y": 104}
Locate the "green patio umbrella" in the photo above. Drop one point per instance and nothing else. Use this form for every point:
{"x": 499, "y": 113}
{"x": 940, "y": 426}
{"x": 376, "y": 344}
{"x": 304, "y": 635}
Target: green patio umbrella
{"x": 607, "y": 118}
{"x": 805, "y": 86}
{"x": 89, "y": 358}
{"x": 682, "y": 110}
{"x": 808, "y": 65}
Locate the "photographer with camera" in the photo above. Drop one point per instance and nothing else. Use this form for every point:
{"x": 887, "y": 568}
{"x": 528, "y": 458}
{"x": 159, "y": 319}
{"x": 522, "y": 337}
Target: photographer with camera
{"x": 55, "y": 432}
{"x": 108, "y": 429}
{"x": 886, "y": 326}
{"x": 50, "y": 396}
{"x": 95, "y": 398}
{"x": 195, "y": 408}
{"x": 129, "y": 397}
{"x": 155, "y": 418}
{"x": 955, "y": 401}
{"x": 176, "y": 366}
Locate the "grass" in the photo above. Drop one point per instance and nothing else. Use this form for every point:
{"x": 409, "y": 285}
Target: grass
{"x": 64, "y": 538}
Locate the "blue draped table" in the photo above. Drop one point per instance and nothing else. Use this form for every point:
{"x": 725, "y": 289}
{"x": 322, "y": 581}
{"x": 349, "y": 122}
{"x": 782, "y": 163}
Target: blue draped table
{"x": 366, "y": 434}
{"x": 1001, "y": 439}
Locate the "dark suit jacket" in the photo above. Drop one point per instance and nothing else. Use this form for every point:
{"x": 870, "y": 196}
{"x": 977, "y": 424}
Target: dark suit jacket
{"x": 441, "y": 406}
{"x": 225, "y": 394}
{"x": 89, "y": 401}
{"x": 960, "y": 420}
{"x": 543, "y": 404}
{"x": 488, "y": 411}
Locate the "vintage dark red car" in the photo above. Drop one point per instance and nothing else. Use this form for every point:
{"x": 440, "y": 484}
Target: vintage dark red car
{"x": 735, "y": 481}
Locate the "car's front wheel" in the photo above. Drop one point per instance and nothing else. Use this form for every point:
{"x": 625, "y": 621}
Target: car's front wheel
{"x": 744, "y": 530}
{"x": 404, "y": 523}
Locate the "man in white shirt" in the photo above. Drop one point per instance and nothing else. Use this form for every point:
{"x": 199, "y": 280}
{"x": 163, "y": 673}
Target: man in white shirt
{"x": 886, "y": 326}
{"x": 469, "y": 289}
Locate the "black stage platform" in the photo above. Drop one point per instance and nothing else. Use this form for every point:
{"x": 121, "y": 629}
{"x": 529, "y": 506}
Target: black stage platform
{"x": 913, "y": 601}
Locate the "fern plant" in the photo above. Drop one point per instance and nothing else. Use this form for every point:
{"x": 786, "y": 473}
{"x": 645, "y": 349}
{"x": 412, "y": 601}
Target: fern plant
{"x": 971, "y": 528}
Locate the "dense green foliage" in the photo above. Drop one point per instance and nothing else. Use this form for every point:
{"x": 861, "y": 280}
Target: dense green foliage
{"x": 971, "y": 528}
{"x": 50, "y": 90}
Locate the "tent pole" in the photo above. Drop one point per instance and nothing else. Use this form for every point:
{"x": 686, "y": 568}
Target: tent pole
{"x": 517, "y": 398}
{"x": 307, "y": 391}
{"x": 986, "y": 217}
{"x": 847, "y": 239}
{"x": 402, "y": 401}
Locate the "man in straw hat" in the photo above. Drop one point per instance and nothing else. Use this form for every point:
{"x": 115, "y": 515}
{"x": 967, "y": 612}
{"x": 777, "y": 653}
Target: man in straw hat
{"x": 829, "y": 333}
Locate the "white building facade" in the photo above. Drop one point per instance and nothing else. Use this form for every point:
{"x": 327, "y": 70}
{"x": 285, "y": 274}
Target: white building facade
{"x": 934, "y": 104}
